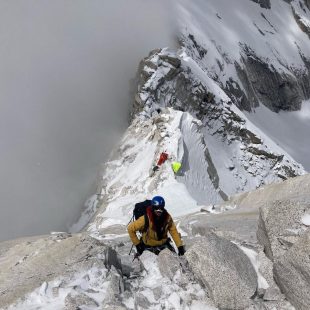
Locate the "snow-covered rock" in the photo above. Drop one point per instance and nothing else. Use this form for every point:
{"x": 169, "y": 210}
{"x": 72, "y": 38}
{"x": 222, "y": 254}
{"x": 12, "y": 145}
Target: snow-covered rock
{"x": 156, "y": 289}
{"x": 50, "y": 270}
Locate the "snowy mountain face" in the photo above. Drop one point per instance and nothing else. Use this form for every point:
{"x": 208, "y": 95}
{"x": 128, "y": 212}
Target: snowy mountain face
{"x": 258, "y": 52}
{"x": 259, "y": 55}
{"x": 206, "y": 105}
{"x": 231, "y": 104}
{"x": 237, "y": 155}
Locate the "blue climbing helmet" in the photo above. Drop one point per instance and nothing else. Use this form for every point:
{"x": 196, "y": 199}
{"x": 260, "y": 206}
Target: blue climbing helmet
{"x": 158, "y": 201}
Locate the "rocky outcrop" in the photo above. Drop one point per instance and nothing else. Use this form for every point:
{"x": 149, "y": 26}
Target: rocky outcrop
{"x": 280, "y": 226}
{"x": 294, "y": 189}
{"x": 300, "y": 10}
{"x": 278, "y": 91}
{"x": 284, "y": 234}
{"x": 242, "y": 95}
{"x": 153, "y": 88}
{"x": 235, "y": 284}
{"x": 292, "y": 273}
{"x": 263, "y": 3}
{"x": 302, "y": 23}
{"x": 73, "y": 302}
{"x": 112, "y": 259}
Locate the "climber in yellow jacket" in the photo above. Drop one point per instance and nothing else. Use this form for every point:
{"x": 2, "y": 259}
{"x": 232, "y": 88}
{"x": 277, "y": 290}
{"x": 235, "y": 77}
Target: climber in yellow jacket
{"x": 154, "y": 227}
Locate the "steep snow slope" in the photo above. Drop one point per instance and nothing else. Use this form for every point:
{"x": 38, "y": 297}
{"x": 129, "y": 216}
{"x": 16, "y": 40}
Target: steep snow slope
{"x": 259, "y": 55}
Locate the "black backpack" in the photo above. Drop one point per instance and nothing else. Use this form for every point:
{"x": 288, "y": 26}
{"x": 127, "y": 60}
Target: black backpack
{"x": 140, "y": 210}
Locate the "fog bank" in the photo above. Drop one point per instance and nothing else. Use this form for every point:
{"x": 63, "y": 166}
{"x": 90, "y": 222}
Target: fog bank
{"x": 65, "y": 68}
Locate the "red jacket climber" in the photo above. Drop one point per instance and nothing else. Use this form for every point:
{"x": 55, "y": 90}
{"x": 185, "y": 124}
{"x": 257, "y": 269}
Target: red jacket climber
{"x": 162, "y": 158}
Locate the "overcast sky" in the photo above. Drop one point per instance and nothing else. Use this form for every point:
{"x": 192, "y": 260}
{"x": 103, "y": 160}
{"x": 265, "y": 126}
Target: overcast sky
{"x": 65, "y": 68}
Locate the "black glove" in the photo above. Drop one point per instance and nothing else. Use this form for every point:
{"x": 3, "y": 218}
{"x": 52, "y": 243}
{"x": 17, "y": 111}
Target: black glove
{"x": 140, "y": 248}
{"x": 155, "y": 168}
{"x": 181, "y": 250}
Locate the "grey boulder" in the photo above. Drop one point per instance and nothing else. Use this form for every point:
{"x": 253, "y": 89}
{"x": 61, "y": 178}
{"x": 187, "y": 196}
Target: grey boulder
{"x": 73, "y": 302}
{"x": 225, "y": 270}
{"x": 280, "y": 226}
{"x": 292, "y": 273}
{"x": 168, "y": 264}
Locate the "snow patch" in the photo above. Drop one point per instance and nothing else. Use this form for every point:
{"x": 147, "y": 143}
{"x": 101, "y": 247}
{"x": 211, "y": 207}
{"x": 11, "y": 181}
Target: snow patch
{"x": 306, "y": 219}
{"x": 253, "y": 256}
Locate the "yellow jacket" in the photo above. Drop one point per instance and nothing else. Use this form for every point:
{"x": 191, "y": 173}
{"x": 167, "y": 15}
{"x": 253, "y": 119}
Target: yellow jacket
{"x": 149, "y": 237}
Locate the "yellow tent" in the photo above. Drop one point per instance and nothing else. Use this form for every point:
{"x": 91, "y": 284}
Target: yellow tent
{"x": 176, "y": 166}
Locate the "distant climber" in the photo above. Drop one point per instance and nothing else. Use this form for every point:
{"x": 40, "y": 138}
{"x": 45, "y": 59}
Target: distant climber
{"x": 154, "y": 227}
{"x": 176, "y": 166}
{"x": 162, "y": 158}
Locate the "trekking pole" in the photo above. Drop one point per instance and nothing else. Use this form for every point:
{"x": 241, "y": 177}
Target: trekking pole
{"x": 130, "y": 249}
{"x": 127, "y": 226}
{"x": 131, "y": 220}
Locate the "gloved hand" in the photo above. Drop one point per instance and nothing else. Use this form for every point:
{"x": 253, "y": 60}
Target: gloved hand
{"x": 140, "y": 248}
{"x": 181, "y": 250}
{"x": 155, "y": 168}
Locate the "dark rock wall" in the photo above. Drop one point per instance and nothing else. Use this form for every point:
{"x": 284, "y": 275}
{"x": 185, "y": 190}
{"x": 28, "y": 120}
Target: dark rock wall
{"x": 275, "y": 90}
{"x": 263, "y": 3}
